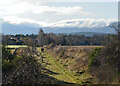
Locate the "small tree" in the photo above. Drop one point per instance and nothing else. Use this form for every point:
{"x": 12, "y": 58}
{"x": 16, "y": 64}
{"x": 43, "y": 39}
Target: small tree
{"x": 42, "y": 38}
{"x": 116, "y": 26}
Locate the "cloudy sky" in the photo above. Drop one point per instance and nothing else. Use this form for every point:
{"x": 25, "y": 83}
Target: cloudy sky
{"x": 58, "y": 14}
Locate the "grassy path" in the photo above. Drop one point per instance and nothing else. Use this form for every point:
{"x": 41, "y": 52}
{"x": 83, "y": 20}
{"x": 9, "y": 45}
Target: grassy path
{"x": 59, "y": 71}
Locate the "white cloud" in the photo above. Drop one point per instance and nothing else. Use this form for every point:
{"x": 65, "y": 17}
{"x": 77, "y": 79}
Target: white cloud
{"x": 15, "y": 7}
{"x": 31, "y": 11}
{"x": 60, "y": 10}
{"x": 83, "y": 23}
{"x": 34, "y": 12}
{"x": 17, "y": 20}
{"x": 64, "y": 23}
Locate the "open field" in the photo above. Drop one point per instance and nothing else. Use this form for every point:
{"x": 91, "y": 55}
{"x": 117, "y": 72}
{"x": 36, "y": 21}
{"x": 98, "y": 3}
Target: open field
{"x": 16, "y": 46}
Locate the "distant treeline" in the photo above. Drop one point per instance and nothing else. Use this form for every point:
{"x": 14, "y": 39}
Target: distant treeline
{"x": 47, "y": 38}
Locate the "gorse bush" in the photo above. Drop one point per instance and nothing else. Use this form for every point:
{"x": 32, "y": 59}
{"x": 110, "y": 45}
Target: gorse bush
{"x": 9, "y": 60}
{"x": 8, "y": 65}
{"x": 92, "y": 57}
{"x": 6, "y": 53}
{"x": 106, "y": 70}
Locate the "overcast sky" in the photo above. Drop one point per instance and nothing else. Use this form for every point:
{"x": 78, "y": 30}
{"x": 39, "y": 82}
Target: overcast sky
{"x": 59, "y": 14}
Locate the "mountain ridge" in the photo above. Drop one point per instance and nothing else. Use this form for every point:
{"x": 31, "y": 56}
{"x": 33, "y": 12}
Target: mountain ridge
{"x": 8, "y": 28}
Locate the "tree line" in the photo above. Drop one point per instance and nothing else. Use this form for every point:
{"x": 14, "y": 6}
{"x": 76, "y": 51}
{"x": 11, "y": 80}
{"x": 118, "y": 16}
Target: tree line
{"x": 57, "y": 39}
